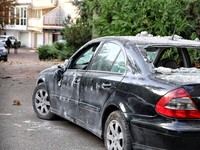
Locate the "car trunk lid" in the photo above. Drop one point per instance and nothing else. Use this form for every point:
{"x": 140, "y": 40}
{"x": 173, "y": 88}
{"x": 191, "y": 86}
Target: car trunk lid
{"x": 188, "y": 78}
{"x": 194, "y": 91}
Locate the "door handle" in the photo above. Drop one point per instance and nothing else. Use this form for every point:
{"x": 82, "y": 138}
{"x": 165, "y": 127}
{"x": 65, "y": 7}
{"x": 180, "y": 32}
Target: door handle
{"x": 106, "y": 85}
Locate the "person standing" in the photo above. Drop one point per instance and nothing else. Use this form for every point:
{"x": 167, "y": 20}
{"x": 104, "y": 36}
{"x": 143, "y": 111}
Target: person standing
{"x": 16, "y": 44}
{"x": 8, "y": 44}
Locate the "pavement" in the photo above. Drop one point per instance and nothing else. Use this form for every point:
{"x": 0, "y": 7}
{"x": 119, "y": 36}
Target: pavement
{"x": 20, "y": 128}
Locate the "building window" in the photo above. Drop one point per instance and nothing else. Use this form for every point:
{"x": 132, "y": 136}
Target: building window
{"x": 20, "y": 14}
{"x": 17, "y": 15}
{"x": 23, "y": 16}
{"x": 37, "y": 14}
{"x": 12, "y": 15}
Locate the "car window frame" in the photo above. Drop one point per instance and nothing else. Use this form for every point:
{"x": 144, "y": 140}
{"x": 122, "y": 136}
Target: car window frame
{"x": 80, "y": 53}
{"x": 98, "y": 51}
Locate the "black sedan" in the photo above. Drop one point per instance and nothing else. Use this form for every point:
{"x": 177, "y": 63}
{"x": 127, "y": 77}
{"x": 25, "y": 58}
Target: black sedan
{"x": 3, "y": 53}
{"x": 134, "y": 92}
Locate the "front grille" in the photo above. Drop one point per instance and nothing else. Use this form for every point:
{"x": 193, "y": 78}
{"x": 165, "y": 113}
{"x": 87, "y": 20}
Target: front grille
{"x": 1, "y": 50}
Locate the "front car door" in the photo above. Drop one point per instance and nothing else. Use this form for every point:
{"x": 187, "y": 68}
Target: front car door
{"x": 72, "y": 78}
{"x": 101, "y": 79}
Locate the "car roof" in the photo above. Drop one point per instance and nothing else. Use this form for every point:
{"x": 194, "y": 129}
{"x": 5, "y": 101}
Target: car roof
{"x": 148, "y": 40}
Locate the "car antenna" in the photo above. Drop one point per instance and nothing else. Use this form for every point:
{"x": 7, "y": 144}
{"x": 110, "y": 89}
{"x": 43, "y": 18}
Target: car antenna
{"x": 174, "y": 32}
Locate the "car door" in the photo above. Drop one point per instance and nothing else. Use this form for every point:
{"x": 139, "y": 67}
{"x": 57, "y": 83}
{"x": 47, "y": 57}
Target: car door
{"x": 98, "y": 83}
{"x": 72, "y": 78}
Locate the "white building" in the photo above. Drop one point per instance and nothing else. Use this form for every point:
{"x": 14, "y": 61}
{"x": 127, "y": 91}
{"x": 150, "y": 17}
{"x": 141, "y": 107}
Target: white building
{"x": 39, "y": 21}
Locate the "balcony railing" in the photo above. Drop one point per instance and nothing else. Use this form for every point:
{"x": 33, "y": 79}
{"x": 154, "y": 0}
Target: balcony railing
{"x": 53, "y": 18}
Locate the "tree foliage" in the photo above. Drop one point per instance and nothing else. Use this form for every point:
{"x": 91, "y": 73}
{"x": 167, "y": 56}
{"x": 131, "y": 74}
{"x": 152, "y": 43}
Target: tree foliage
{"x": 158, "y": 17}
{"x": 129, "y": 17}
{"x": 79, "y": 32}
{"x": 5, "y": 12}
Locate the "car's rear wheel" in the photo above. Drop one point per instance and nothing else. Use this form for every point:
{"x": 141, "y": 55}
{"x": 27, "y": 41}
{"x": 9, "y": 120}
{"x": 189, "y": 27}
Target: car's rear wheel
{"x": 116, "y": 133}
{"x": 41, "y": 104}
{"x": 19, "y": 44}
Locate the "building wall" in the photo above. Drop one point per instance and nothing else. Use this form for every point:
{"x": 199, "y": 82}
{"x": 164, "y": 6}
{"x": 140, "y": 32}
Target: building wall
{"x": 68, "y": 9}
{"x": 23, "y": 1}
{"x": 24, "y": 39}
{"x": 15, "y": 33}
{"x": 39, "y": 39}
{"x": 42, "y": 2}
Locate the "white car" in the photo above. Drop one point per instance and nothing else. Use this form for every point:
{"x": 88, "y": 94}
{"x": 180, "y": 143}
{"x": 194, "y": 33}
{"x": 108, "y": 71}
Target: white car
{"x": 4, "y": 38}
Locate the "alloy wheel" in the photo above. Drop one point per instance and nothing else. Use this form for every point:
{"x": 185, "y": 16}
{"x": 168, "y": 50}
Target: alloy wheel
{"x": 114, "y": 136}
{"x": 41, "y": 102}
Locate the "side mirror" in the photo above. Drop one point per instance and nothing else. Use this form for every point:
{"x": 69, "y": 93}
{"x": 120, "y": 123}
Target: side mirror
{"x": 58, "y": 74}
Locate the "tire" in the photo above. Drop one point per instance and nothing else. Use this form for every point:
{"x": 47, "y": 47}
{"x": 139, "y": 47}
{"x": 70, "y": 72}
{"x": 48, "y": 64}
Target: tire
{"x": 116, "y": 132}
{"x": 41, "y": 104}
{"x": 19, "y": 45}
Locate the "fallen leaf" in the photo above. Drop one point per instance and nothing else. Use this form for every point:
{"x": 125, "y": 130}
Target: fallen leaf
{"x": 16, "y": 102}
{"x": 30, "y": 77}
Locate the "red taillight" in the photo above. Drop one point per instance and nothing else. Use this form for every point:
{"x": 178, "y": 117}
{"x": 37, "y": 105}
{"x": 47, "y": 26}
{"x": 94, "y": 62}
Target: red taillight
{"x": 177, "y": 104}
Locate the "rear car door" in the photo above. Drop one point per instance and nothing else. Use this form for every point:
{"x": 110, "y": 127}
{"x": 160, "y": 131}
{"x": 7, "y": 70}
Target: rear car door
{"x": 101, "y": 79}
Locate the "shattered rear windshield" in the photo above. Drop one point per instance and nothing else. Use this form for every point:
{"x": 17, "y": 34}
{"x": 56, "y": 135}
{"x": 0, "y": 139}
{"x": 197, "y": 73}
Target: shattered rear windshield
{"x": 171, "y": 57}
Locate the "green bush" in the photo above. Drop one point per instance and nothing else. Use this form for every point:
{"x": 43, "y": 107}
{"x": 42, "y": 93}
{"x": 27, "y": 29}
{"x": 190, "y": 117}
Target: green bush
{"x": 65, "y": 54}
{"x": 43, "y": 52}
{"x": 59, "y": 45}
{"x": 56, "y": 51}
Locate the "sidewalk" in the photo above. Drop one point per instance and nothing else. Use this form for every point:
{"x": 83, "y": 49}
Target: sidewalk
{"x": 24, "y": 54}
{"x": 24, "y": 64}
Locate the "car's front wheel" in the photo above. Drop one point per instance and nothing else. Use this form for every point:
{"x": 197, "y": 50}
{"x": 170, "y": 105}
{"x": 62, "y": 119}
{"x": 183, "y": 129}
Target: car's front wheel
{"x": 116, "y": 133}
{"x": 41, "y": 104}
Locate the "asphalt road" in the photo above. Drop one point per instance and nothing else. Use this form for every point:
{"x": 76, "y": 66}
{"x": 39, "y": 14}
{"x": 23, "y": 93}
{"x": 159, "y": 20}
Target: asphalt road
{"x": 20, "y": 128}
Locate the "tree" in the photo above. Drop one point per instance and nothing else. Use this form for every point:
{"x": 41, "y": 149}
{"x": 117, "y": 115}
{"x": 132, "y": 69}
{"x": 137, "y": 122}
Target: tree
{"x": 5, "y": 12}
{"x": 79, "y": 32}
{"x": 129, "y": 17}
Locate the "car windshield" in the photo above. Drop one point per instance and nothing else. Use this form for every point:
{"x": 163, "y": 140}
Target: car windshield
{"x": 2, "y": 38}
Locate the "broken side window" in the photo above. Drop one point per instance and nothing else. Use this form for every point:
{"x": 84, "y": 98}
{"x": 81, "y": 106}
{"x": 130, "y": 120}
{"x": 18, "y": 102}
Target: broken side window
{"x": 195, "y": 57}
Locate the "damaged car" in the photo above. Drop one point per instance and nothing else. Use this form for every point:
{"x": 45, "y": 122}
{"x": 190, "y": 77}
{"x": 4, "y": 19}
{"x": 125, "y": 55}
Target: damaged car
{"x": 134, "y": 92}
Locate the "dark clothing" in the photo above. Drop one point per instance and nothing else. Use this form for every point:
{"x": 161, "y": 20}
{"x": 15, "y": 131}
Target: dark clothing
{"x": 8, "y": 43}
{"x": 16, "y": 44}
